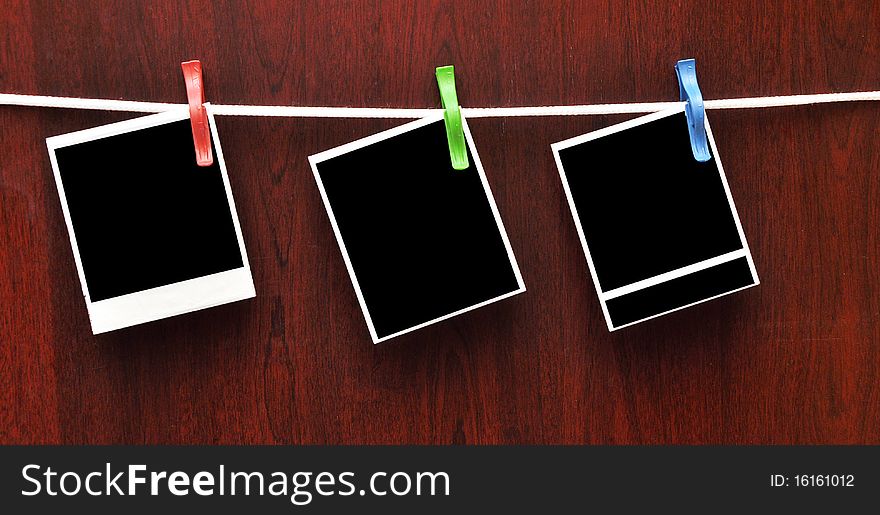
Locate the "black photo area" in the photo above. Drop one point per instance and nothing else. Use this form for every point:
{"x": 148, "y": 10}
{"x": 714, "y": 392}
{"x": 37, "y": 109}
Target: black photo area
{"x": 144, "y": 213}
{"x": 648, "y": 207}
{"x": 421, "y": 236}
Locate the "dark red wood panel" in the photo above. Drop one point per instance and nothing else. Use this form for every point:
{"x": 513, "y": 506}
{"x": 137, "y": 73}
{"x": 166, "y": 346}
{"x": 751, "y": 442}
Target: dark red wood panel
{"x": 795, "y": 360}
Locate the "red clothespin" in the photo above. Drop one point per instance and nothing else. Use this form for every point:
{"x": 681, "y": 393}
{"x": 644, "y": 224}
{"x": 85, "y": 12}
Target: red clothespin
{"x": 198, "y": 115}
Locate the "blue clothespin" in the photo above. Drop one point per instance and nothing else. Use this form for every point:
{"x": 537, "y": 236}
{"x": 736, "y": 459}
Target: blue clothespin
{"x": 694, "y": 109}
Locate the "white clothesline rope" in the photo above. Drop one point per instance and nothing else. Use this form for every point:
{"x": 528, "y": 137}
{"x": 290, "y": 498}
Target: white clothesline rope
{"x": 100, "y": 104}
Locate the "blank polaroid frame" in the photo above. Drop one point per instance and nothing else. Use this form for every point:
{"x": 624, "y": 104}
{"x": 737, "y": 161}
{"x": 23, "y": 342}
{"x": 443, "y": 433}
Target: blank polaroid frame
{"x": 153, "y": 235}
{"x": 408, "y": 277}
{"x": 659, "y": 230}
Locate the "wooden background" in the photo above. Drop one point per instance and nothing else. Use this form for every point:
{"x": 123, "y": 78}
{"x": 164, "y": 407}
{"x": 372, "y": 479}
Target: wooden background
{"x": 795, "y": 360}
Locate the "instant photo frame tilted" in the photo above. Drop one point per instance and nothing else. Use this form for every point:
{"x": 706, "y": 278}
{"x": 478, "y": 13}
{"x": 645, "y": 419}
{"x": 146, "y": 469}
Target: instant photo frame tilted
{"x": 153, "y": 234}
{"x": 422, "y": 241}
{"x": 659, "y": 229}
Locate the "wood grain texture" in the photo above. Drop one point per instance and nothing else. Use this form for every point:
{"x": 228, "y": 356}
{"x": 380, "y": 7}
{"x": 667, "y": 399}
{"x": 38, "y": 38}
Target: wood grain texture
{"x": 795, "y": 360}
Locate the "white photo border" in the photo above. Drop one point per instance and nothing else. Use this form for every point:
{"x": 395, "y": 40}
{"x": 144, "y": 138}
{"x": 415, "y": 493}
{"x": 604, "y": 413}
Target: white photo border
{"x": 605, "y": 296}
{"x": 167, "y": 300}
{"x": 315, "y": 159}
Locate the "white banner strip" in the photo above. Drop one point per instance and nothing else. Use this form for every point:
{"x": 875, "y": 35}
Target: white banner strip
{"x": 470, "y": 112}
{"x": 674, "y": 274}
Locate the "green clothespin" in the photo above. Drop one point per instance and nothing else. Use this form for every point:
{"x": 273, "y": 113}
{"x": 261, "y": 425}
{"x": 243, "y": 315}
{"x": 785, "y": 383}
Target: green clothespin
{"x": 452, "y": 117}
